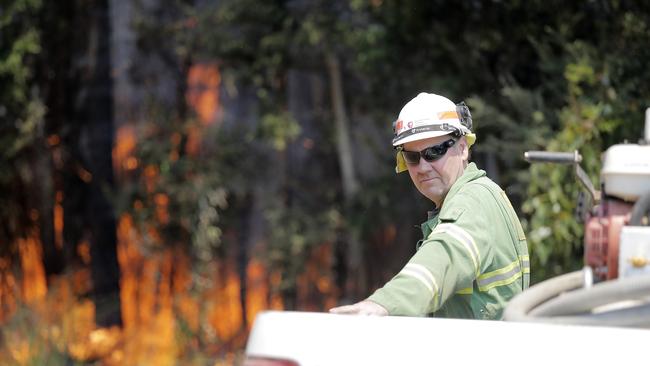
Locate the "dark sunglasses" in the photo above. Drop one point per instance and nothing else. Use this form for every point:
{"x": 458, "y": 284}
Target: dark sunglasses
{"x": 431, "y": 153}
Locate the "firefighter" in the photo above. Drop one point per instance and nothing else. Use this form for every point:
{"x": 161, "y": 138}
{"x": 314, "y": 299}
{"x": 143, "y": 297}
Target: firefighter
{"x": 473, "y": 257}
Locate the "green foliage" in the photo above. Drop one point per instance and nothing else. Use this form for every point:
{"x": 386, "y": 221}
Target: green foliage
{"x": 294, "y": 231}
{"x": 180, "y": 195}
{"x": 256, "y": 44}
{"x": 589, "y": 118}
{"x": 537, "y": 75}
{"x": 279, "y": 129}
{"x": 21, "y": 111}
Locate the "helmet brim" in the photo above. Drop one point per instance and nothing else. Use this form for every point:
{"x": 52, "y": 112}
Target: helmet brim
{"x": 420, "y": 136}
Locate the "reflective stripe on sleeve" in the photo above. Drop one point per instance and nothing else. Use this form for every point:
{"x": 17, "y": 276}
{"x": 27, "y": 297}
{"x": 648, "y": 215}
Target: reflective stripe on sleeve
{"x": 525, "y": 263}
{"x": 465, "y": 238}
{"x": 465, "y": 291}
{"x": 422, "y": 274}
{"x": 502, "y": 276}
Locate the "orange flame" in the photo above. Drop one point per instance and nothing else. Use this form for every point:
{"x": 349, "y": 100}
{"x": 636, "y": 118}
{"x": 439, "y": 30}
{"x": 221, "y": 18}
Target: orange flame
{"x": 7, "y": 290}
{"x": 125, "y": 143}
{"x": 203, "y": 81}
{"x": 258, "y": 289}
{"x": 225, "y": 315}
{"x": 31, "y": 258}
{"x": 146, "y": 300}
{"x": 316, "y": 289}
{"x": 202, "y": 95}
{"x": 58, "y": 220}
{"x": 156, "y": 288}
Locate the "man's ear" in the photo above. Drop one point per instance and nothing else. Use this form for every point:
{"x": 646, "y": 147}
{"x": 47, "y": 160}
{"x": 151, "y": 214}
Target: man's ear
{"x": 464, "y": 148}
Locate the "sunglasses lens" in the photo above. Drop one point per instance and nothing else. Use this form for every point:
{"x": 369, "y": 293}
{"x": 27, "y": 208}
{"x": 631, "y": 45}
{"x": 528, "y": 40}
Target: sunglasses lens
{"x": 411, "y": 157}
{"x": 433, "y": 153}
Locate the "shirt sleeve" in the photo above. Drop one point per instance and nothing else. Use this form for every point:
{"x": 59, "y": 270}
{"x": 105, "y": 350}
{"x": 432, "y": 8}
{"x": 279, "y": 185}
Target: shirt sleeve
{"x": 449, "y": 261}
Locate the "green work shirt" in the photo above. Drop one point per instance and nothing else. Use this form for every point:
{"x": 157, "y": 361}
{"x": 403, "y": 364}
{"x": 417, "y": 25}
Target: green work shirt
{"x": 473, "y": 259}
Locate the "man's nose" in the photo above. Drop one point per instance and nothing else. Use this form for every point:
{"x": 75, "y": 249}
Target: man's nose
{"x": 423, "y": 165}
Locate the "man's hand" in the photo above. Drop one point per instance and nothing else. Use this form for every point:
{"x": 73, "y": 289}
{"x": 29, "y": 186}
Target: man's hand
{"x": 365, "y": 307}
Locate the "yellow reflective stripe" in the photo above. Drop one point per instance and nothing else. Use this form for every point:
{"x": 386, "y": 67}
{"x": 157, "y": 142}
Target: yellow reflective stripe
{"x": 499, "y": 271}
{"x": 465, "y": 291}
{"x": 422, "y": 274}
{"x": 465, "y": 238}
{"x": 499, "y": 277}
{"x": 503, "y": 282}
{"x": 525, "y": 261}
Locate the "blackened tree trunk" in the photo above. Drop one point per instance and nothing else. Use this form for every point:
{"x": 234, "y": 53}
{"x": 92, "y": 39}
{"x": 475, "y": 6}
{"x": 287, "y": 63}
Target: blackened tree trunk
{"x": 80, "y": 105}
{"x": 96, "y": 109}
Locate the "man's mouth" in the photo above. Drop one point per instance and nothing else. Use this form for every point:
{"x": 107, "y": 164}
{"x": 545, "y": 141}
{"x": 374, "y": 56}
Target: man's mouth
{"x": 428, "y": 179}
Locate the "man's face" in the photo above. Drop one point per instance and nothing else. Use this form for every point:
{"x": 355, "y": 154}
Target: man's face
{"x": 434, "y": 179}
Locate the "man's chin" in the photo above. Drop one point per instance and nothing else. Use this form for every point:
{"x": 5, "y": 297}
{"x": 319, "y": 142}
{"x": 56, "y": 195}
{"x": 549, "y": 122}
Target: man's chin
{"x": 433, "y": 195}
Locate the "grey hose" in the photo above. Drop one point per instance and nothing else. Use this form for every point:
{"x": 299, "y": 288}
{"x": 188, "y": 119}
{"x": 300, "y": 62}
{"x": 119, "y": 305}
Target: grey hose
{"x": 641, "y": 208}
{"x": 563, "y": 300}
{"x": 632, "y": 317}
{"x": 584, "y": 300}
{"x": 522, "y": 304}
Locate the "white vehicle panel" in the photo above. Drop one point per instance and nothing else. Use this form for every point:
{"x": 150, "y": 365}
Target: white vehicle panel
{"x": 315, "y": 339}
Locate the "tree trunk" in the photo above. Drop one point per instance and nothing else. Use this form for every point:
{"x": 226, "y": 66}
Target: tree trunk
{"x": 43, "y": 187}
{"x": 97, "y": 111}
{"x": 79, "y": 100}
{"x": 355, "y": 279}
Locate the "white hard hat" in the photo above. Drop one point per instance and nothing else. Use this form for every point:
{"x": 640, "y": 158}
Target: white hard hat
{"x": 431, "y": 115}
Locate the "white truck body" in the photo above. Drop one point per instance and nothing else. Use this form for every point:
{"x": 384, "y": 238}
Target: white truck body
{"x": 318, "y": 339}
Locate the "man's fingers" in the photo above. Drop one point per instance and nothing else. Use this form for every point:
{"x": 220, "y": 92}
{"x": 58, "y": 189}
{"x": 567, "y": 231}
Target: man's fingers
{"x": 361, "y": 308}
{"x": 345, "y": 309}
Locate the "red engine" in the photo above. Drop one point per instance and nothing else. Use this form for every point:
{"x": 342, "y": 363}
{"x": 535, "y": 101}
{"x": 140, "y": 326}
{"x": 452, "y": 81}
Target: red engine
{"x": 617, "y": 236}
{"x": 602, "y": 234}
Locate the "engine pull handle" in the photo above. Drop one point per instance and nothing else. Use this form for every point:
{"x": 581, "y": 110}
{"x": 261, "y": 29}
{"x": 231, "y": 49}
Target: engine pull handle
{"x": 553, "y": 157}
{"x": 574, "y": 158}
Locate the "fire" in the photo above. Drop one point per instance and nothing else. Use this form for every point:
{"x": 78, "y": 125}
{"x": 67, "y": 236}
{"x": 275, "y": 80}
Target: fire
{"x": 186, "y": 304}
{"x": 323, "y": 294}
{"x": 58, "y": 220}
{"x": 8, "y": 299}
{"x": 225, "y": 314}
{"x": 162, "y": 201}
{"x": 31, "y": 257}
{"x": 146, "y": 299}
{"x": 203, "y": 81}
{"x": 158, "y": 297}
{"x": 258, "y": 290}
{"x": 156, "y": 293}
{"x": 125, "y": 143}
{"x": 166, "y": 312}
